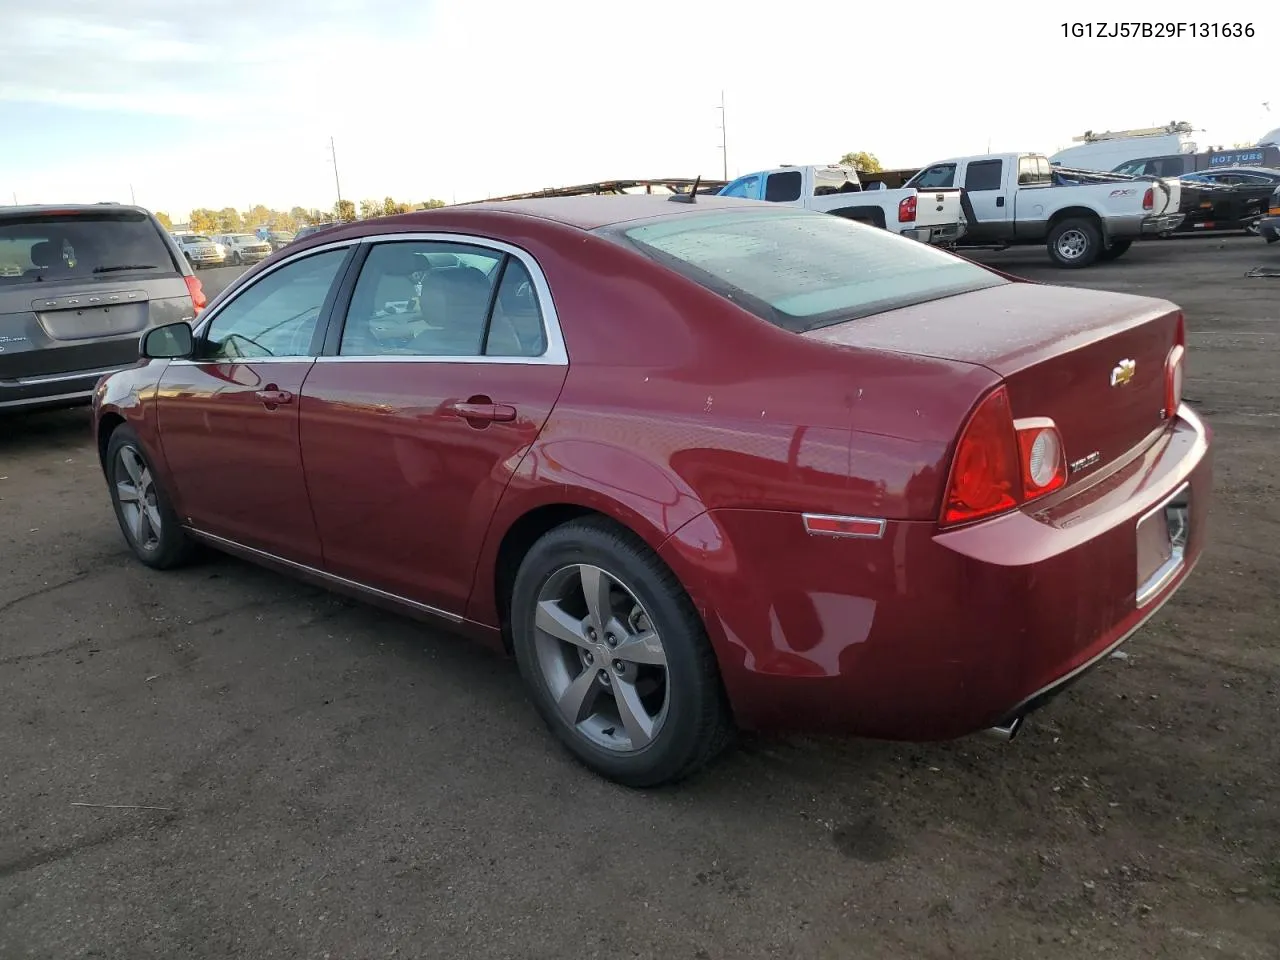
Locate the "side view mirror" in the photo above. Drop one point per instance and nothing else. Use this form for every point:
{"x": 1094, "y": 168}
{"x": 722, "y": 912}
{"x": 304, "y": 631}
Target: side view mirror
{"x": 173, "y": 341}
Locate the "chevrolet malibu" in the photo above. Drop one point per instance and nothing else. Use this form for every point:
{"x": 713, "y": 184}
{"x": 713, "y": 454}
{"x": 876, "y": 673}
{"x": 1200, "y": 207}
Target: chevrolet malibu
{"x": 700, "y": 466}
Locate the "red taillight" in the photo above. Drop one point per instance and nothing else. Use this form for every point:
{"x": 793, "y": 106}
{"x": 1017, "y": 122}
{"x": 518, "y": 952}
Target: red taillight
{"x": 1044, "y": 468}
{"x": 907, "y": 209}
{"x": 198, "y": 298}
{"x": 985, "y": 478}
{"x": 1149, "y": 199}
{"x": 1002, "y": 463}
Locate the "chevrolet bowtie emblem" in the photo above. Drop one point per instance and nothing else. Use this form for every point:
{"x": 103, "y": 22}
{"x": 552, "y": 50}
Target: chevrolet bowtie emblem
{"x": 1123, "y": 372}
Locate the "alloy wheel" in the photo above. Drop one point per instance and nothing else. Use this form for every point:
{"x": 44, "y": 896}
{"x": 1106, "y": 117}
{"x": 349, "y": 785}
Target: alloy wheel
{"x": 136, "y": 494}
{"x": 601, "y": 658}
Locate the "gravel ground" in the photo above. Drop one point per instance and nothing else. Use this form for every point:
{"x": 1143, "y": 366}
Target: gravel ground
{"x": 318, "y": 779}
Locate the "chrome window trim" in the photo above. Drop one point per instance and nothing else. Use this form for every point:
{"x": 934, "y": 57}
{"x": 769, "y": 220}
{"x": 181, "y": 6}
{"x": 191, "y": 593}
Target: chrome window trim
{"x": 210, "y": 315}
{"x": 198, "y": 331}
{"x": 556, "y": 354}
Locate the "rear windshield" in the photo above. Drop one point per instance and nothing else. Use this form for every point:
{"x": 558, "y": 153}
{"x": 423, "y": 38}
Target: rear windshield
{"x": 81, "y": 246}
{"x": 801, "y": 270}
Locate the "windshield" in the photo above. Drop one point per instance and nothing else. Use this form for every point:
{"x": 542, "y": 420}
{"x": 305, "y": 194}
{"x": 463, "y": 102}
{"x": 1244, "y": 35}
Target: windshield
{"x": 801, "y": 270}
{"x": 198, "y": 239}
{"x": 78, "y": 246}
{"x": 243, "y": 238}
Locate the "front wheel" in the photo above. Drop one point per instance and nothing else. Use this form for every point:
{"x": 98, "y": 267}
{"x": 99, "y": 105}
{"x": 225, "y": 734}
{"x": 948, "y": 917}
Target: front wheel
{"x": 615, "y": 656}
{"x": 142, "y": 508}
{"x": 1116, "y": 250}
{"x": 1075, "y": 243}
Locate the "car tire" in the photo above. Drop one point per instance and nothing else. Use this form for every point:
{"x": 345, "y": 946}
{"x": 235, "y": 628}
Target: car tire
{"x": 640, "y": 722}
{"x": 1117, "y": 249}
{"x": 1075, "y": 243}
{"x": 141, "y": 504}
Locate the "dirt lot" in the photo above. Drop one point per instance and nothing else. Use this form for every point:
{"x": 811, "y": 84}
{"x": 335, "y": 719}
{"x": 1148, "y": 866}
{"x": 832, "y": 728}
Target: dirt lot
{"x": 324, "y": 780}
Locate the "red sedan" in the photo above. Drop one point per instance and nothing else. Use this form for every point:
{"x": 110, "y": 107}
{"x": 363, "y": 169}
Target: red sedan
{"x": 699, "y": 466}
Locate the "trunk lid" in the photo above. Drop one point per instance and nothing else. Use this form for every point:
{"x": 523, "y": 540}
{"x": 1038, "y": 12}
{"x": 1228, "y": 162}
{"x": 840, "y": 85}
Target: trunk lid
{"x": 1092, "y": 361}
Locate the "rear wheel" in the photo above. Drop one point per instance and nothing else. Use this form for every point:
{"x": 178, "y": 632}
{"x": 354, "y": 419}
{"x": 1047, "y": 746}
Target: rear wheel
{"x": 1075, "y": 243}
{"x": 142, "y": 507}
{"x": 615, "y": 656}
{"x": 1116, "y": 250}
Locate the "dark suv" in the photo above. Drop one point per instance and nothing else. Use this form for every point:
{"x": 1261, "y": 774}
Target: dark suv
{"x": 78, "y": 285}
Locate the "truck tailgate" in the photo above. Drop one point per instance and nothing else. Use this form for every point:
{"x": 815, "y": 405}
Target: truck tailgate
{"x": 936, "y": 207}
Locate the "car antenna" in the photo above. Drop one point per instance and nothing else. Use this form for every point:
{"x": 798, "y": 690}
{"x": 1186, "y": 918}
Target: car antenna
{"x": 691, "y": 196}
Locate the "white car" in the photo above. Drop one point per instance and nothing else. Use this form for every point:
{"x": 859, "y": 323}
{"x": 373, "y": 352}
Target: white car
{"x": 200, "y": 250}
{"x": 245, "y": 247}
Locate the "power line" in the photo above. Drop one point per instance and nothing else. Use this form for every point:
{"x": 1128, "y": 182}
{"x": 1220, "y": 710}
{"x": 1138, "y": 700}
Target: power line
{"x": 333, "y": 152}
{"x": 724, "y": 137}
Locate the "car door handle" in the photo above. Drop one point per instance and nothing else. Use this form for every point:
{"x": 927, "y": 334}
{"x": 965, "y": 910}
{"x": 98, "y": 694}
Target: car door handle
{"x": 273, "y": 396}
{"x": 484, "y": 410}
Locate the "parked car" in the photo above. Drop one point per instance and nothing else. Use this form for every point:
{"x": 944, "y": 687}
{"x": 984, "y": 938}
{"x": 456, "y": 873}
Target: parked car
{"x": 1240, "y": 201}
{"x": 1018, "y": 198}
{"x": 78, "y": 284}
{"x": 698, "y": 465}
{"x": 1269, "y": 226}
{"x": 932, "y": 215}
{"x": 202, "y": 251}
{"x": 313, "y": 228}
{"x": 1181, "y": 164}
{"x": 244, "y": 248}
{"x": 278, "y": 239}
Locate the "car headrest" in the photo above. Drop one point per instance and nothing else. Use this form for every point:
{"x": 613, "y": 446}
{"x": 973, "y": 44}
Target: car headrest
{"x": 46, "y": 253}
{"x": 401, "y": 260}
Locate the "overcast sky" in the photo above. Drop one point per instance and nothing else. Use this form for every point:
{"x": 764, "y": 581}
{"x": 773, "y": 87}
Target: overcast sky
{"x": 232, "y": 102}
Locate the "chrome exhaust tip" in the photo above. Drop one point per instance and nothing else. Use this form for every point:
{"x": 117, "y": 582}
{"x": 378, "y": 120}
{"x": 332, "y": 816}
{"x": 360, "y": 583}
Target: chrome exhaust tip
{"x": 1006, "y": 732}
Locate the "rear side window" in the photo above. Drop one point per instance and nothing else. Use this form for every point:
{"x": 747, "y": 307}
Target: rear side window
{"x": 783, "y": 187}
{"x": 801, "y": 270}
{"x": 1031, "y": 171}
{"x": 983, "y": 175}
{"x": 81, "y": 246}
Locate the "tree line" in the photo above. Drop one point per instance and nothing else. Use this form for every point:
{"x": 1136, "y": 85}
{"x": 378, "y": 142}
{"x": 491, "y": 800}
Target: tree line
{"x": 231, "y": 220}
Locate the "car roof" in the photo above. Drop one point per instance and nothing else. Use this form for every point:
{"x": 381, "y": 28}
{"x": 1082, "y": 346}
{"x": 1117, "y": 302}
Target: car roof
{"x": 1265, "y": 171}
{"x": 53, "y": 209}
{"x": 593, "y": 212}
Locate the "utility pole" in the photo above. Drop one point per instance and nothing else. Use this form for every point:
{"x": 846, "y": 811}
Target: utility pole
{"x": 724, "y": 137}
{"x": 336, "y": 182}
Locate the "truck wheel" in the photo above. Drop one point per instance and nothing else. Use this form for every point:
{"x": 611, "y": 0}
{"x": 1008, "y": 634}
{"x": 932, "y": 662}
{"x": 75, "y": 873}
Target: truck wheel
{"x": 1075, "y": 243}
{"x": 1117, "y": 249}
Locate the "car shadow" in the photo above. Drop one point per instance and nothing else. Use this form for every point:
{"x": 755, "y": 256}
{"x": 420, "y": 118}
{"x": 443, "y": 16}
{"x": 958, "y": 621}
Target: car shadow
{"x": 44, "y": 429}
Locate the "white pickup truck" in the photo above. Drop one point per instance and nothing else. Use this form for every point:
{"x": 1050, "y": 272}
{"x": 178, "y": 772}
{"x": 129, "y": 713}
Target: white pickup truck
{"x": 1018, "y": 198}
{"x": 932, "y": 216}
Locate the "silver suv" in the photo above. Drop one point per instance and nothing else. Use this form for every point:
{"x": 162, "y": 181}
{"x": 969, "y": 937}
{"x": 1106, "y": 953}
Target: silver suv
{"x": 78, "y": 286}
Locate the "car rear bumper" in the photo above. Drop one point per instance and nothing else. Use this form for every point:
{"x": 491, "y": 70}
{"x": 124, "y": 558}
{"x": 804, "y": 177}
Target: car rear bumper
{"x": 52, "y": 390}
{"x": 922, "y": 635}
{"x": 1166, "y": 223}
{"x": 943, "y": 233}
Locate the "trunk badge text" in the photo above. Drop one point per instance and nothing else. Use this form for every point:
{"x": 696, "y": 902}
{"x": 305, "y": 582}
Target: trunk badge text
{"x": 1123, "y": 372}
{"x": 1084, "y": 463}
